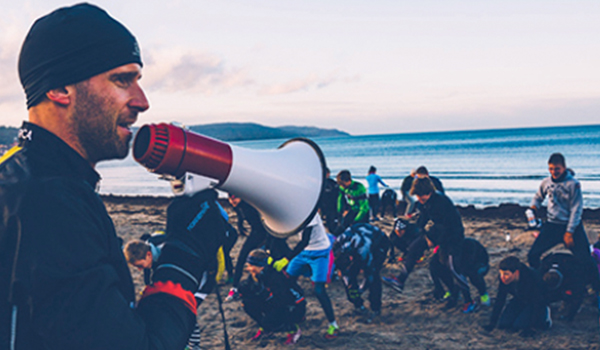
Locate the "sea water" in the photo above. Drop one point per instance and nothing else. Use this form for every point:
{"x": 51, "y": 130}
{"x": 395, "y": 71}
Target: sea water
{"x": 483, "y": 168}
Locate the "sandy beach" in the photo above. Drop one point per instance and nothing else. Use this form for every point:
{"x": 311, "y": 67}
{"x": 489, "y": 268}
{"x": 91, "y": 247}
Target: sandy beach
{"x": 411, "y": 320}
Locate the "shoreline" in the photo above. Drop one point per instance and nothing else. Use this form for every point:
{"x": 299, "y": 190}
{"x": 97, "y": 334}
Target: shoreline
{"x": 502, "y": 211}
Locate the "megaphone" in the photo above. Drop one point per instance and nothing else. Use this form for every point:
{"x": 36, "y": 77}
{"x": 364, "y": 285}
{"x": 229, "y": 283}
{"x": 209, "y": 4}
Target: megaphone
{"x": 284, "y": 184}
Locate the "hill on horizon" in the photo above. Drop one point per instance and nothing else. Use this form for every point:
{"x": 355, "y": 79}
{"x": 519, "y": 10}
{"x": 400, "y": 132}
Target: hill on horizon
{"x": 253, "y": 131}
{"x": 226, "y": 132}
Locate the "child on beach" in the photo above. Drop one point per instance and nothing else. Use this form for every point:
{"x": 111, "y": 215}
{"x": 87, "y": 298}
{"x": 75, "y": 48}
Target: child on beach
{"x": 272, "y": 298}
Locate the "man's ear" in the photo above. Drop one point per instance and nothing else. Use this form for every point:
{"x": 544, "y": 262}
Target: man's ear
{"x": 62, "y": 96}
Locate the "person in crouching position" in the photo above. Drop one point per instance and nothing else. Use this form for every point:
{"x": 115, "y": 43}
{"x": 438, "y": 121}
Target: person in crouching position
{"x": 312, "y": 257}
{"x": 272, "y": 298}
{"x": 362, "y": 247}
{"x": 527, "y": 309}
{"x": 472, "y": 265}
{"x": 564, "y": 281}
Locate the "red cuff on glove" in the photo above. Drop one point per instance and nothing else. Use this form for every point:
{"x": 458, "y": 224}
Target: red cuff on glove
{"x": 175, "y": 290}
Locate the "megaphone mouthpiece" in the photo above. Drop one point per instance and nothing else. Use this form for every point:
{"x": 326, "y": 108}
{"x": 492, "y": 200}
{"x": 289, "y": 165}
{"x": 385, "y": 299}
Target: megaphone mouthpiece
{"x": 168, "y": 149}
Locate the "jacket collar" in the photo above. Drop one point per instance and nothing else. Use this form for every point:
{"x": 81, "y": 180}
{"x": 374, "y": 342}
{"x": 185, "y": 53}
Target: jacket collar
{"x": 51, "y": 156}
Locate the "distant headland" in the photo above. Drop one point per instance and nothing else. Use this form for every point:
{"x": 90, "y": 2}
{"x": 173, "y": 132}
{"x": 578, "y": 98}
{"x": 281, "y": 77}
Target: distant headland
{"x": 224, "y": 132}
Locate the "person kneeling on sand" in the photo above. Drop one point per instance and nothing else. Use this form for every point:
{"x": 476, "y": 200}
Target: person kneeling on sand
{"x": 272, "y": 298}
{"x": 362, "y": 247}
{"x": 472, "y": 264}
{"x": 527, "y": 309}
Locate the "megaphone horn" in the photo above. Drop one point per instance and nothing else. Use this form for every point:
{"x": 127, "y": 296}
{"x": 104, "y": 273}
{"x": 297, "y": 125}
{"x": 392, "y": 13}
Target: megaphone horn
{"x": 284, "y": 185}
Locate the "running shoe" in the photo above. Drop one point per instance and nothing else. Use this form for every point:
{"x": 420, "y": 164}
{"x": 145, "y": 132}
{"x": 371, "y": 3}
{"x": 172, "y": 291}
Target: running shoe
{"x": 485, "y": 299}
{"x": 469, "y": 307}
{"x": 292, "y": 337}
{"x": 394, "y": 283}
{"x": 233, "y": 295}
{"x": 332, "y": 332}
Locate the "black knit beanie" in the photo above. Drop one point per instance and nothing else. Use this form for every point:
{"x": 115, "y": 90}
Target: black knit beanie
{"x": 70, "y": 45}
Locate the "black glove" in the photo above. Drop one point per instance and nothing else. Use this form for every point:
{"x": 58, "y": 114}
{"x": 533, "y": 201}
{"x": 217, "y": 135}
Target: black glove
{"x": 195, "y": 231}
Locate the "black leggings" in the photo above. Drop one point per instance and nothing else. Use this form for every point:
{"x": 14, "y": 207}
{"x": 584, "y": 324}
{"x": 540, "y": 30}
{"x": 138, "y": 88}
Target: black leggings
{"x": 415, "y": 251}
{"x": 321, "y": 293}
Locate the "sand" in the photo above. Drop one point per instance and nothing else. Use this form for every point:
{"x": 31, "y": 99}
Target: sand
{"x": 411, "y": 320}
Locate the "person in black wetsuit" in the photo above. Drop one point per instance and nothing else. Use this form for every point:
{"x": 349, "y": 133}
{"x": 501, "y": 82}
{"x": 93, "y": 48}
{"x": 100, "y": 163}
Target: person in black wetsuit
{"x": 564, "y": 281}
{"x": 403, "y": 234}
{"x": 472, "y": 265}
{"x": 440, "y": 221}
{"x": 362, "y": 247}
{"x": 388, "y": 199}
{"x": 272, "y": 298}
{"x": 258, "y": 237}
{"x": 527, "y": 309}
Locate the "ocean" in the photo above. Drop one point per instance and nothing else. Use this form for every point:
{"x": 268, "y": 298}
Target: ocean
{"x": 483, "y": 168}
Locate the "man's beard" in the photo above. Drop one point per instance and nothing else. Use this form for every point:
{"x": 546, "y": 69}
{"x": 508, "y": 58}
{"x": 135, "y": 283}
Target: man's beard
{"x": 96, "y": 127}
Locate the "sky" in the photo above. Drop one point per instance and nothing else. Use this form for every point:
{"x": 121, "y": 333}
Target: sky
{"x": 364, "y": 67}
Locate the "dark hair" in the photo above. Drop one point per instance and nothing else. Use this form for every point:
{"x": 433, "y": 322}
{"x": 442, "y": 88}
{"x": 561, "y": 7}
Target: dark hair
{"x": 135, "y": 250}
{"x": 372, "y": 169}
{"x": 422, "y": 186}
{"x": 344, "y": 176}
{"x": 557, "y": 159}
{"x": 422, "y": 170}
{"x": 510, "y": 263}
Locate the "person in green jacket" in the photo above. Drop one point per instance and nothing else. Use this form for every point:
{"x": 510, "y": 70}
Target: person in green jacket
{"x": 353, "y": 204}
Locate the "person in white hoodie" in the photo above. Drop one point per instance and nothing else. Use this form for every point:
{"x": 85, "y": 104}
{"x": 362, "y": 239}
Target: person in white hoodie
{"x": 563, "y": 224}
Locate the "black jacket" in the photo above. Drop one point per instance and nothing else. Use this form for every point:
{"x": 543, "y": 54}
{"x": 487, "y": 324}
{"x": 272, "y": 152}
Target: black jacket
{"x": 448, "y": 231}
{"x": 527, "y": 290}
{"x": 70, "y": 282}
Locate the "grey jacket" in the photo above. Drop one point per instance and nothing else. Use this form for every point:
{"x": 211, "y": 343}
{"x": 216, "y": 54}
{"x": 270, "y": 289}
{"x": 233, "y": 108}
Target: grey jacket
{"x": 565, "y": 201}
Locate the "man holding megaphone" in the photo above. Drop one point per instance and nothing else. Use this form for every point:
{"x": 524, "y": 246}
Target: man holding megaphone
{"x": 64, "y": 283}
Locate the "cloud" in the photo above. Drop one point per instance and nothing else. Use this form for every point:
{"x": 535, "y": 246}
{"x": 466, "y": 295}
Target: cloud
{"x": 311, "y": 82}
{"x": 173, "y": 70}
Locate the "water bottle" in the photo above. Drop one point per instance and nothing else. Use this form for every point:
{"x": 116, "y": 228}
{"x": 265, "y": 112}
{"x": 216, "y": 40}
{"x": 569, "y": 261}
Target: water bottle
{"x": 531, "y": 221}
{"x": 508, "y": 236}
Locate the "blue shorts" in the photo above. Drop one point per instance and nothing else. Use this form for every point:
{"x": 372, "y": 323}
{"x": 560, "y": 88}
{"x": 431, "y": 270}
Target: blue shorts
{"x": 317, "y": 264}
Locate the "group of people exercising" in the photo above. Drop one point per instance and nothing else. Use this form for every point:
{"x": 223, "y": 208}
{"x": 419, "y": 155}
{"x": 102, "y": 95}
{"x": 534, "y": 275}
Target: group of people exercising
{"x": 341, "y": 237}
